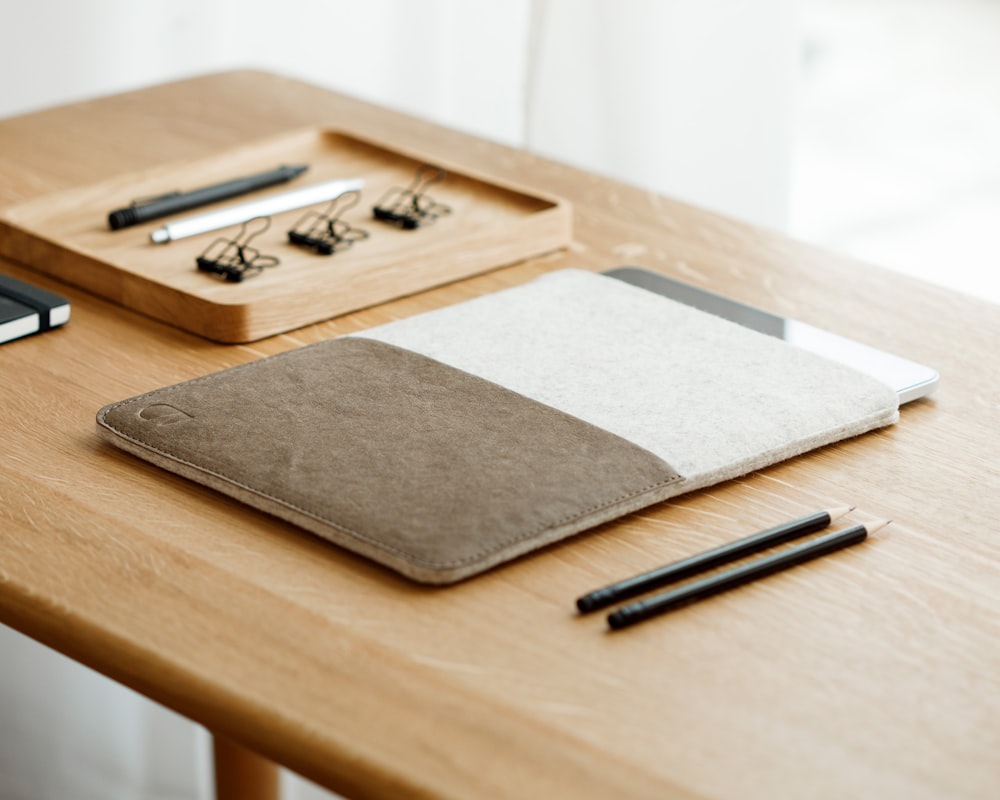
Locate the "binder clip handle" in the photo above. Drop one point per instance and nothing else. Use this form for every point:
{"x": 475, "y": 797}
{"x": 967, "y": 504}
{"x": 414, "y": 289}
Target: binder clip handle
{"x": 410, "y": 207}
{"x": 234, "y": 259}
{"x": 324, "y": 232}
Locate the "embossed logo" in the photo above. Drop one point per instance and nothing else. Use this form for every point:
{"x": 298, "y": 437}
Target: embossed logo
{"x": 163, "y": 414}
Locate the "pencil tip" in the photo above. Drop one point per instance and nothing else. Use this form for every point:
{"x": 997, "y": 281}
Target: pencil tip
{"x": 877, "y": 525}
{"x": 837, "y": 513}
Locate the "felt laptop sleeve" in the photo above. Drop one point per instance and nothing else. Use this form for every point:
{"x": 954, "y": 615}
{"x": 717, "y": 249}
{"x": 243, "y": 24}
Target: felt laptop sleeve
{"x": 450, "y": 442}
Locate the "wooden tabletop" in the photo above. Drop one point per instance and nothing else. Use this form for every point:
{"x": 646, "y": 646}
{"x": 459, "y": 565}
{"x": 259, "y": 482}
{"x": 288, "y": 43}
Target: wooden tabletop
{"x": 872, "y": 673}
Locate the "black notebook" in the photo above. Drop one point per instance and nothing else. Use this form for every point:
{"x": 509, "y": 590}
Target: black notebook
{"x": 27, "y": 309}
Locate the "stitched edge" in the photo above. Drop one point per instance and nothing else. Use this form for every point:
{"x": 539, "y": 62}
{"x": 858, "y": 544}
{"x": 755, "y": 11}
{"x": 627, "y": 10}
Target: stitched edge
{"x": 411, "y": 557}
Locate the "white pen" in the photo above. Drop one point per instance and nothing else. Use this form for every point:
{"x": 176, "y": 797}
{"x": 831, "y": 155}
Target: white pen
{"x": 234, "y": 215}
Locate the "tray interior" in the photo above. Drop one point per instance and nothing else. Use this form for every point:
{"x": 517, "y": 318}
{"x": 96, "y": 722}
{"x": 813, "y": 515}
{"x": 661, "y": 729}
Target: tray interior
{"x": 491, "y": 223}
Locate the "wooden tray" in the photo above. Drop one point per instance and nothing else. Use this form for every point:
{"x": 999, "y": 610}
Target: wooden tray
{"x": 491, "y": 224}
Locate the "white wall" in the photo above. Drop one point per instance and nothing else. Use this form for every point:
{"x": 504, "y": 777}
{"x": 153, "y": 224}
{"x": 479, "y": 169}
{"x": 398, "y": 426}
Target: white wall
{"x": 896, "y": 159}
{"x": 690, "y": 99}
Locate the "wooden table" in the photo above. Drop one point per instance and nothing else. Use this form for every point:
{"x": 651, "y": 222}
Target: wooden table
{"x": 872, "y": 673}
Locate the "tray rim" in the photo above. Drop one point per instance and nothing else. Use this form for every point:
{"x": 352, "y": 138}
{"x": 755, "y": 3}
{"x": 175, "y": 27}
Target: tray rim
{"x": 23, "y": 239}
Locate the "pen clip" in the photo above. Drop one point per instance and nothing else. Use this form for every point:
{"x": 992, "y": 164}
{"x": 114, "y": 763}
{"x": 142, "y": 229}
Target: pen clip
{"x": 153, "y": 198}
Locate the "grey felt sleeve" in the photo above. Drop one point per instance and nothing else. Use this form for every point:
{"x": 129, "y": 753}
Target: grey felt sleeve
{"x": 450, "y": 442}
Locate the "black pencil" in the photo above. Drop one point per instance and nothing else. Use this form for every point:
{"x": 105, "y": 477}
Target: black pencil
{"x": 715, "y": 584}
{"x": 630, "y": 587}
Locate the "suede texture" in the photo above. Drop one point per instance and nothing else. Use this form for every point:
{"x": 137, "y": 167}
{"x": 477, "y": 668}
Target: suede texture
{"x": 425, "y": 468}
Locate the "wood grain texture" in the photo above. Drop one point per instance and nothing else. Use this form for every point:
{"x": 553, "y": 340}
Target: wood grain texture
{"x": 491, "y": 223}
{"x": 871, "y": 673}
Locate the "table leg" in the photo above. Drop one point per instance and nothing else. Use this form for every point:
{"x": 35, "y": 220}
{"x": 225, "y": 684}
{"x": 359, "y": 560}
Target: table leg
{"x": 241, "y": 774}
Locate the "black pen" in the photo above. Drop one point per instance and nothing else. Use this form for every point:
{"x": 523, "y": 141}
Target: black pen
{"x": 174, "y": 202}
{"x": 630, "y": 587}
{"x": 730, "y": 579}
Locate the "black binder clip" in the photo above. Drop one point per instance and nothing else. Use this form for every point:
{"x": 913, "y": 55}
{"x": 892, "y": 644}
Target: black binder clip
{"x": 324, "y": 232}
{"x": 234, "y": 259}
{"x": 410, "y": 208}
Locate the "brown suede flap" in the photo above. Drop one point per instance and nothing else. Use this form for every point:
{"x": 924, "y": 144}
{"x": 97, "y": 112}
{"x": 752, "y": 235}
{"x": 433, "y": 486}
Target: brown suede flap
{"x": 415, "y": 464}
